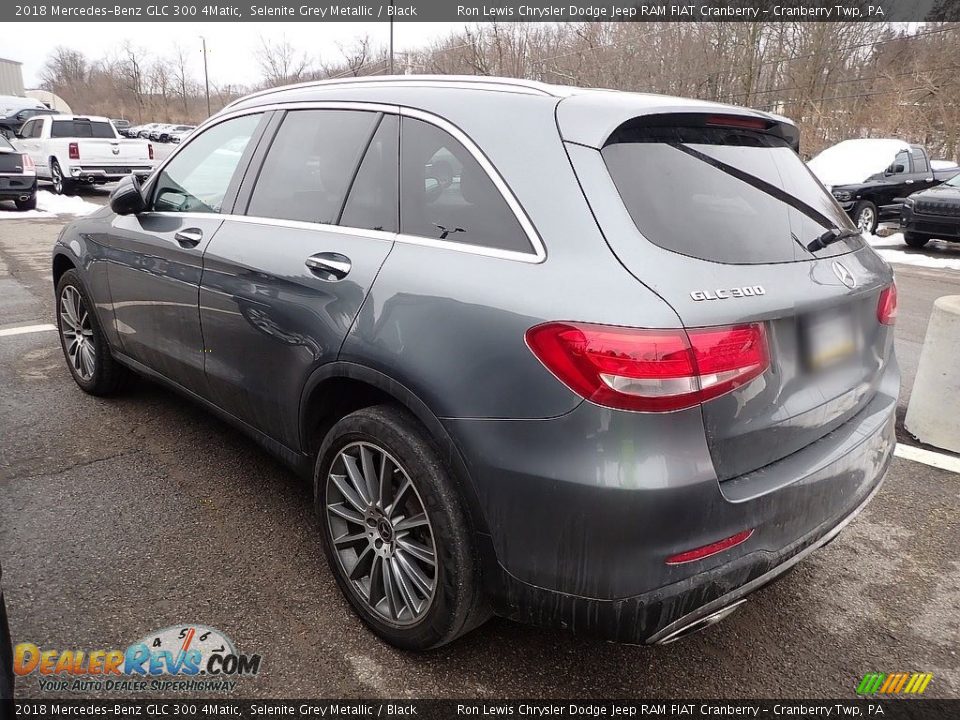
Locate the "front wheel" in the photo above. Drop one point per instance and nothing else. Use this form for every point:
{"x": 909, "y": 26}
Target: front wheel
{"x": 914, "y": 240}
{"x": 395, "y": 532}
{"x": 865, "y": 216}
{"x": 84, "y": 345}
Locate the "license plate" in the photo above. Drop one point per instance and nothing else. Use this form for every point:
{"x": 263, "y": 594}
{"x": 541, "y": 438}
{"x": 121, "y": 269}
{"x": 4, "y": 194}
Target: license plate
{"x": 828, "y": 338}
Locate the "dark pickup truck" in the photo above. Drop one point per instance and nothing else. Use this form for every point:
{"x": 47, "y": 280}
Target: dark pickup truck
{"x": 870, "y": 178}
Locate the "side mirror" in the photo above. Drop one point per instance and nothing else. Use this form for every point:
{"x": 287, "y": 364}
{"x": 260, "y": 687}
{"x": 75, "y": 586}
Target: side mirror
{"x": 895, "y": 169}
{"x": 127, "y": 197}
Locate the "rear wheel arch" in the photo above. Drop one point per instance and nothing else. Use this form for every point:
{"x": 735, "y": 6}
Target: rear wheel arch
{"x": 339, "y": 388}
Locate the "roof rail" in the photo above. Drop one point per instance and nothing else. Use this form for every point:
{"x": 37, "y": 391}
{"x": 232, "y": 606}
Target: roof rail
{"x": 399, "y": 80}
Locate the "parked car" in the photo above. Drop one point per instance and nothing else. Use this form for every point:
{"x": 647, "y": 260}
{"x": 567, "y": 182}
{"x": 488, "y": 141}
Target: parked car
{"x": 18, "y": 177}
{"x": 557, "y": 384}
{"x": 15, "y": 111}
{"x": 70, "y": 150}
{"x": 933, "y": 213}
{"x": 144, "y": 131}
{"x": 178, "y": 136}
{"x": 154, "y": 134}
{"x": 121, "y": 126}
{"x": 870, "y": 178}
{"x": 167, "y": 133}
{"x": 6, "y": 656}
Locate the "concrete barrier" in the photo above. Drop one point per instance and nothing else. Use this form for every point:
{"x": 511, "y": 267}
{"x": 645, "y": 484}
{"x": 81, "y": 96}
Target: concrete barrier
{"x": 933, "y": 415}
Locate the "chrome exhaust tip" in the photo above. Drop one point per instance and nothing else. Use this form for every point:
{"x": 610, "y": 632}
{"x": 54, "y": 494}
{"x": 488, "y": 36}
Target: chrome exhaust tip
{"x": 704, "y": 622}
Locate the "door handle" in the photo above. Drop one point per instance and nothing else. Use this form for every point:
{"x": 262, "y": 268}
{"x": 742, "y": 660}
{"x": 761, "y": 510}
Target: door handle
{"x": 329, "y": 265}
{"x": 189, "y": 238}
{"x": 909, "y": 182}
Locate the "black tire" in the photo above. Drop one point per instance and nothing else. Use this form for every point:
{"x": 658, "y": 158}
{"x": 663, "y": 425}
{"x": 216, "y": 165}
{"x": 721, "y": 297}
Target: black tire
{"x": 457, "y": 605}
{"x": 865, "y": 216}
{"x": 107, "y": 376}
{"x": 915, "y": 240}
{"x": 29, "y": 204}
{"x": 61, "y": 185}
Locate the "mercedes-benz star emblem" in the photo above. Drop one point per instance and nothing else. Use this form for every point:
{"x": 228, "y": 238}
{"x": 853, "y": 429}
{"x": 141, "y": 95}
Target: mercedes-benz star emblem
{"x": 844, "y": 275}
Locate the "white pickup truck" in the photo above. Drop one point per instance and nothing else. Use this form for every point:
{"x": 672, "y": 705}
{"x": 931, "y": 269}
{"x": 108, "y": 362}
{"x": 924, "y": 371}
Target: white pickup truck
{"x": 73, "y": 149}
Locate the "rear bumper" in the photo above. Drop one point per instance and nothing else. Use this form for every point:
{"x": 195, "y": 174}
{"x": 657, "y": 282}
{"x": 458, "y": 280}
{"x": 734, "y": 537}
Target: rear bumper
{"x": 17, "y": 187}
{"x": 94, "y": 173}
{"x": 586, "y": 551}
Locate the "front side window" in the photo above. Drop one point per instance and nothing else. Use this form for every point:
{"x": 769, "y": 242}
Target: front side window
{"x": 197, "y": 178}
{"x": 310, "y": 165}
{"x": 27, "y": 128}
{"x": 722, "y": 194}
{"x": 901, "y": 163}
{"x": 446, "y": 195}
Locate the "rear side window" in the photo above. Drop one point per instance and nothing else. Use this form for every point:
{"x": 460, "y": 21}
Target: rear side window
{"x": 722, "y": 194}
{"x": 919, "y": 161}
{"x": 81, "y": 129}
{"x": 446, "y": 195}
{"x": 310, "y": 165}
{"x": 373, "y": 202}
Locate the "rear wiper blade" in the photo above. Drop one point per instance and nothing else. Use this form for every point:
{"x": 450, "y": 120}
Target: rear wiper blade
{"x": 830, "y": 237}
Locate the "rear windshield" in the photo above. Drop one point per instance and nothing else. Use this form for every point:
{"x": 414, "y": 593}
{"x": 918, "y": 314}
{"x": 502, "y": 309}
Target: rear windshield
{"x": 723, "y": 194}
{"x": 81, "y": 129}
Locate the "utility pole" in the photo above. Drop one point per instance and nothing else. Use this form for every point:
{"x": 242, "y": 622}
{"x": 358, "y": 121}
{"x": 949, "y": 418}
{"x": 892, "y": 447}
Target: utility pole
{"x": 391, "y": 37}
{"x": 206, "y": 74}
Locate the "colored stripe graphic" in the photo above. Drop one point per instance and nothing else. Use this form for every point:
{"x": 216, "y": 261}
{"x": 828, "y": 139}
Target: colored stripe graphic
{"x": 894, "y": 683}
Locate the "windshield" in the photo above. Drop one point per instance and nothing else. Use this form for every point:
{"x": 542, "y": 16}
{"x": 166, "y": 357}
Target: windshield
{"x": 723, "y": 194}
{"x": 954, "y": 181}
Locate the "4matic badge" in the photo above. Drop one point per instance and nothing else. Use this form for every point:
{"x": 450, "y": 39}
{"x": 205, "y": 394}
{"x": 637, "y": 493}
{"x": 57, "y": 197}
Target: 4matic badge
{"x": 726, "y": 294}
{"x": 191, "y": 658}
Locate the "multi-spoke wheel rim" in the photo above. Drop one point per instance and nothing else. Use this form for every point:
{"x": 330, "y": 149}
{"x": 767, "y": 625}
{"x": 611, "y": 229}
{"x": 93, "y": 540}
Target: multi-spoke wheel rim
{"x": 381, "y": 535}
{"x": 57, "y": 178}
{"x": 77, "y": 333}
{"x": 865, "y": 221}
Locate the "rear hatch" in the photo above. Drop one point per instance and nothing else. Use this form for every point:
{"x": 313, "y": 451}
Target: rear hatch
{"x": 98, "y": 144}
{"x": 11, "y": 161}
{"x": 719, "y": 216}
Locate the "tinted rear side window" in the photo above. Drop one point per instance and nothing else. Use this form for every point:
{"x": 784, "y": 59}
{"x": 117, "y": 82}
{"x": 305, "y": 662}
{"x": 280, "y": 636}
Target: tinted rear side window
{"x": 310, "y": 165}
{"x": 373, "y": 202}
{"x": 81, "y": 129}
{"x": 446, "y": 195}
{"x": 722, "y": 194}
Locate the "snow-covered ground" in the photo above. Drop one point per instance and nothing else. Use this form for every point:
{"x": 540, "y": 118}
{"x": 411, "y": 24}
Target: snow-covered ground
{"x": 49, "y": 206}
{"x": 935, "y": 254}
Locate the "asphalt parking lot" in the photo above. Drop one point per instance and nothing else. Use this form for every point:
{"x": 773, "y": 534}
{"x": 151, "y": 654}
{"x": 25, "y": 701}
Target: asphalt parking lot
{"x": 122, "y": 516}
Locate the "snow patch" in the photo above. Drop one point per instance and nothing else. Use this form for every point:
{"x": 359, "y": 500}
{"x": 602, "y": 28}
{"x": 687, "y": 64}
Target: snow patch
{"x": 937, "y": 254}
{"x": 50, "y": 206}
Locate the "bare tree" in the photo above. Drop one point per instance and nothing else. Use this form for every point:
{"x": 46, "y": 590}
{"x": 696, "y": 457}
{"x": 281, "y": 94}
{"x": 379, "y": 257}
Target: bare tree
{"x": 280, "y": 63}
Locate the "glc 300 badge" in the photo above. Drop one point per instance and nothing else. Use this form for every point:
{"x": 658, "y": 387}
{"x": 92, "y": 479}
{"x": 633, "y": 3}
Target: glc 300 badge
{"x": 726, "y": 294}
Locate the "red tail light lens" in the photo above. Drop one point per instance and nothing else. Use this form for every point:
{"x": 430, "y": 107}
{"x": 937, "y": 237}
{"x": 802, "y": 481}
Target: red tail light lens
{"x": 712, "y": 549}
{"x": 887, "y": 306}
{"x": 650, "y": 370}
{"x": 737, "y": 121}
{"x": 29, "y": 168}
{"x": 74, "y": 151}
{"x": 150, "y": 150}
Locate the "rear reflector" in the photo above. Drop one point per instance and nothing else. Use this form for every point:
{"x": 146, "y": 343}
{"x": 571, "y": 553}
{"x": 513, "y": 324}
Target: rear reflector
{"x": 712, "y": 549}
{"x": 73, "y": 149}
{"x": 650, "y": 370}
{"x": 887, "y": 306}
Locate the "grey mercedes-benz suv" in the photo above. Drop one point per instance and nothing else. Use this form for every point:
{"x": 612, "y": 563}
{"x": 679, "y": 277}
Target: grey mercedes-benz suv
{"x": 588, "y": 359}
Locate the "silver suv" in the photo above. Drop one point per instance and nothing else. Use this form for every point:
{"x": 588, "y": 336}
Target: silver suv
{"x": 588, "y": 359}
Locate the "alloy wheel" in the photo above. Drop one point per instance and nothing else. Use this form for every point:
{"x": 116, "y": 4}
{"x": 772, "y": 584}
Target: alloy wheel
{"x": 57, "y": 178}
{"x": 77, "y": 333}
{"x": 865, "y": 220}
{"x": 380, "y": 533}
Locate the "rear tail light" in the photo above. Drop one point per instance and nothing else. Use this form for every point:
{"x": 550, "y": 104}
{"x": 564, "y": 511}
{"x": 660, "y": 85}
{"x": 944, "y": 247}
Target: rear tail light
{"x": 887, "y": 306}
{"x": 29, "y": 168}
{"x": 737, "y": 121}
{"x": 150, "y": 150}
{"x": 74, "y": 151}
{"x": 650, "y": 370}
{"x": 706, "y": 551}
